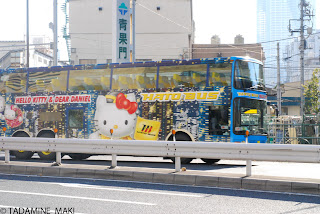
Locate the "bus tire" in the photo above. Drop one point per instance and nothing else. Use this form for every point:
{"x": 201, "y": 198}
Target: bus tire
{"x": 181, "y": 136}
{"x": 78, "y": 156}
{"x": 47, "y": 155}
{"x": 21, "y": 155}
{"x": 210, "y": 161}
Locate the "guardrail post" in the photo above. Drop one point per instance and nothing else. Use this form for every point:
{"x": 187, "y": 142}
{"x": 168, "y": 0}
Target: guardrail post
{"x": 248, "y": 168}
{"x": 58, "y": 158}
{"x": 7, "y": 156}
{"x": 177, "y": 163}
{"x": 114, "y": 161}
{"x": 249, "y": 162}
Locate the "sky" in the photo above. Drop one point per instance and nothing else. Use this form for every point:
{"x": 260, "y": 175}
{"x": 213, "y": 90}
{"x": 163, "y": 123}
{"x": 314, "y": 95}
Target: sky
{"x": 226, "y": 18}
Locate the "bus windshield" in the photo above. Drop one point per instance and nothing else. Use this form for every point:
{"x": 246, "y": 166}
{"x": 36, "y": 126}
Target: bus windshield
{"x": 249, "y": 75}
{"x": 250, "y": 115}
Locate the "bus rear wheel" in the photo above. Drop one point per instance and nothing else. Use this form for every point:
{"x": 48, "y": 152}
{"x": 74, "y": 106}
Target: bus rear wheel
{"x": 181, "y": 136}
{"x": 20, "y": 154}
{"x": 210, "y": 161}
{"x": 47, "y": 155}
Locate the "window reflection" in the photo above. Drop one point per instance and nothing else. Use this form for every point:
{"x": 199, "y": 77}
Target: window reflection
{"x": 249, "y": 75}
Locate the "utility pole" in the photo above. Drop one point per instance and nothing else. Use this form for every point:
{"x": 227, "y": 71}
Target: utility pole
{"x": 305, "y": 11}
{"x": 302, "y": 57}
{"x": 278, "y": 79}
{"x": 27, "y": 60}
{"x": 55, "y": 32}
{"x": 133, "y": 30}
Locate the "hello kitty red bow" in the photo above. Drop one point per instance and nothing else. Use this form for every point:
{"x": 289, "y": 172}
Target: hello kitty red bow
{"x": 123, "y": 103}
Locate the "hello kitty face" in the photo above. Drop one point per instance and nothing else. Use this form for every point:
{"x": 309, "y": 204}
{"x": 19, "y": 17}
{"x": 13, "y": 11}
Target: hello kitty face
{"x": 117, "y": 117}
{"x": 9, "y": 113}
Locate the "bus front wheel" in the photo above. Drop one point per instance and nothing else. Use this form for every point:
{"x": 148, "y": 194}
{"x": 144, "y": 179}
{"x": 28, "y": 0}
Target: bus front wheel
{"x": 181, "y": 136}
{"x": 77, "y": 156}
{"x": 210, "y": 161}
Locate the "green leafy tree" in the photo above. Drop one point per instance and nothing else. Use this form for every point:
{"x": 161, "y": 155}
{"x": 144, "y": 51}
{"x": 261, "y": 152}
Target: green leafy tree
{"x": 312, "y": 94}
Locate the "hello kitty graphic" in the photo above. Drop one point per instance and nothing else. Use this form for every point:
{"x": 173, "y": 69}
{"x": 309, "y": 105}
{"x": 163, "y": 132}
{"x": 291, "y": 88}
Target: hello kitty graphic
{"x": 13, "y": 116}
{"x": 115, "y": 116}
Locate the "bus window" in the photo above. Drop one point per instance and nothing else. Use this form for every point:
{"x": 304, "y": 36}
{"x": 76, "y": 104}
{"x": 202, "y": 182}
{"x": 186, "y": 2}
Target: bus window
{"x": 13, "y": 82}
{"x": 94, "y": 79}
{"x": 134, "y": 78}
{"x": 220, "y": 74}
{"x": 249, "y": 115}
{"x": 75, "y": 119}
{"x": 182, "y": 76}
{"x": 219, "y": 120}
{"x": 249, "y": 75}
{"x": 47, "y": 81}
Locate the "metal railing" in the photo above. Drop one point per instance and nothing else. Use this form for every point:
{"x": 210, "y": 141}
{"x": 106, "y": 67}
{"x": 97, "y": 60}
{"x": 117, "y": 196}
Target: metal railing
{"x": 177, "y": 149}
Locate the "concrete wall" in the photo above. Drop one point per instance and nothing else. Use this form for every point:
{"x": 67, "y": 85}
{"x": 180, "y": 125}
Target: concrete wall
{"x": 157, "y": 37}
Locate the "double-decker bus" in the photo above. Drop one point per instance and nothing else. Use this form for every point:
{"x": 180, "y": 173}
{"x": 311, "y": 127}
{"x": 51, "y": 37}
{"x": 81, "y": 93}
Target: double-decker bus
{"x": 212, "y": 100}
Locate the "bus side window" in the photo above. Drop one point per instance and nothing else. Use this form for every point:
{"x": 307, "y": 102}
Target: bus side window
{"x": 219, "y": 120}
{"x": 92, "y": 79}
{"x": 182, "y": 76}
{"x": 41, "y": 81}
{"x": 220, "y": 74}
{"x": 13, "y": 82}
{"x": 105, "y": 82}
{"x": 134, "y": 78}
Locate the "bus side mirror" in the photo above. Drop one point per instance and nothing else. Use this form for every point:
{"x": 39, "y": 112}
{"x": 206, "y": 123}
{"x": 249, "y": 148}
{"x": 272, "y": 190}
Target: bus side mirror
{"x": 247, "y": 133}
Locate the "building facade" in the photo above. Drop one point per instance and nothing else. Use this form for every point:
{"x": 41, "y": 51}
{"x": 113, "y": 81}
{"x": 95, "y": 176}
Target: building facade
{"x": 272, "y": 25}
{"x": 168, "y": 32}
{"x": 13, "y": 53}
{"x": 227, "y": 50}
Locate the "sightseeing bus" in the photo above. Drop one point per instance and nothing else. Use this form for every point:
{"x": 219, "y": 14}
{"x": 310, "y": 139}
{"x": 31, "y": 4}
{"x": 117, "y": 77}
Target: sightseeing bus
{"x": 209, "y": 100}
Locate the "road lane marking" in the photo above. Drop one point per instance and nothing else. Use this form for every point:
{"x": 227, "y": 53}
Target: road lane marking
{"x": 127, "y": 190}
{"x": 77, "y": 197}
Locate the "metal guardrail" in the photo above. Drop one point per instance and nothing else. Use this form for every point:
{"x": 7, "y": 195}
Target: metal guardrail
{"x": 177, "y": 149}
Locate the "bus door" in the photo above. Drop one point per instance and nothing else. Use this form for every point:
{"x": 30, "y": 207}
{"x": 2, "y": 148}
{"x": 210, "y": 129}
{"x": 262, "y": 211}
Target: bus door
{"x": 219, "y": 120}
{"x": 75, "y": 123}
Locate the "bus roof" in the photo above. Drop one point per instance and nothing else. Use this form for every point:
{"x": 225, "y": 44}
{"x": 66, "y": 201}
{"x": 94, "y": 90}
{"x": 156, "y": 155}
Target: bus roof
{"x": 216, "y": 60}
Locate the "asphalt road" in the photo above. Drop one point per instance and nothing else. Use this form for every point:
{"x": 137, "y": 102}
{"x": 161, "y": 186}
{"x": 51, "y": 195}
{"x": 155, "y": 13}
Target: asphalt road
{"x": 92, "y": 196}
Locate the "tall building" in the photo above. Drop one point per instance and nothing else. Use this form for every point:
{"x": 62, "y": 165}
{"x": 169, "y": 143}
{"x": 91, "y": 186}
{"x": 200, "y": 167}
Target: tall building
{"x": 164, "y": 30}
{"x": 311, "y": 58}
{"x": 272, "y": 25}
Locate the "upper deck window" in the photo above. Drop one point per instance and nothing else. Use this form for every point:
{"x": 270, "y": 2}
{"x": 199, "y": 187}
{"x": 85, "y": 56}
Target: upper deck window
{"x": 134, "y": 78}
{"x": 44, "y": 81}
{"x": 248, "y": 75}
{"x": 182, "y": 76}
{"x": 13, "y": 82}
{"x": 91, "y": 79}
{"x": 220, "y": 74}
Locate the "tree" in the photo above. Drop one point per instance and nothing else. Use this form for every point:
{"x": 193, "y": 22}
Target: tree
{"x": 312, "y": 94}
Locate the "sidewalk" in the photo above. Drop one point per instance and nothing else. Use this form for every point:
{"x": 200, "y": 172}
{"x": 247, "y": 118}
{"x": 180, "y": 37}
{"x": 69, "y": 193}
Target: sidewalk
{"x": 220, "y": 176}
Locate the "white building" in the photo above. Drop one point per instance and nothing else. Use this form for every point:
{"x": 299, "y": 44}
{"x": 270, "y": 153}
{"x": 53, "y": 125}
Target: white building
{"x": 13, "y": 53}
{"x": 164, "y": 30}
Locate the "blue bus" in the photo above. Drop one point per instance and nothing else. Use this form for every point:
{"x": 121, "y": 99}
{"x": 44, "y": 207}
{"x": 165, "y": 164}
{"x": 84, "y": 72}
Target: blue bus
{"x": 212, "y": 100}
